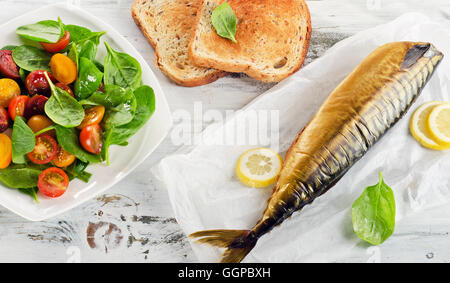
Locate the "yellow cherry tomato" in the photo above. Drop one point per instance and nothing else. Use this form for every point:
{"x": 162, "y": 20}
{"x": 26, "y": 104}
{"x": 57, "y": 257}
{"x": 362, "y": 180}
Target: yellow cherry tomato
{"x": 92, "y": 116}
{"x": 9, "y": 90}
{"x": 40, "y": 122}
{"x": 63, "y": 158}
{"x": 5, "y": 151}
{"x": 63, "y": 69}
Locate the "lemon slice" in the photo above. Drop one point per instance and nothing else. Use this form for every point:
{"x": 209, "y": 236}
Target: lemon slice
{"x": 259, "y": 168}
{"x": 439, "y": 124}
{"x": 419, "y": 126}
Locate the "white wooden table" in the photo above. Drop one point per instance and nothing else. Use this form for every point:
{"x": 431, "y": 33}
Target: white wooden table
{"x": 133, "y": 221}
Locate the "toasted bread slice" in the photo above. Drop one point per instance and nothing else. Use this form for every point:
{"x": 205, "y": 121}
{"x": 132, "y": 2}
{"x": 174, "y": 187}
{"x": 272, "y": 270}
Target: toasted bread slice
{"x": 272, "y": 38}
{"x": 168, "y": 26}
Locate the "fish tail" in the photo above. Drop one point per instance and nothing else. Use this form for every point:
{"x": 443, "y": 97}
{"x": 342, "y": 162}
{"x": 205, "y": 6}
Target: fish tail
{"x": 238, "y": 243}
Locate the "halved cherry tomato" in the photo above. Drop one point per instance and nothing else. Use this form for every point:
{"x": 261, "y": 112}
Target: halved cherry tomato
{"x": 40, "y": 122}
{"x": 63, "y": 68}
{"x": 53, "y": 182}
{"x": 66, "y": 88}
{"x": 92, "y": 116}
{"x": 5, "y": 151}
{"x": 8, "y": 68}
{"x": 36, "y": 83}
{"x": 91, "y": 138}
{"x": 17, "y": 106}
{"x": 63, "y": 158}
{"x": 35, "y": 106}
{"x": 44, "y": 151}
{"x": 58, "y": 46}
{"x": 4, "y": 119}
{"x": 8, "y": 90}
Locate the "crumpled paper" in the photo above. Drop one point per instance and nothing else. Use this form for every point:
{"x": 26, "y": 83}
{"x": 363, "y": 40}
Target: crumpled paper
{"x": 205, "y": 193}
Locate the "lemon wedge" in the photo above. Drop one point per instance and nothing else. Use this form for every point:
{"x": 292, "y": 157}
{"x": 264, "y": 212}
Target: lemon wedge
{"x": 419, "y": 126}
{"x": 259, "y": 168}
{"x": 439, "y": 124}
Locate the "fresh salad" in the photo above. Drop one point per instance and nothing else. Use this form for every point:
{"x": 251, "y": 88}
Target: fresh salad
{"x": 61, "y": 109}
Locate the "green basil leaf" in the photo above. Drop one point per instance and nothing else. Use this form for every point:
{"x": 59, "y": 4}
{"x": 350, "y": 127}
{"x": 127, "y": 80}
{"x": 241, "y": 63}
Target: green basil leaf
{"x": 23, "y": 140}
{"x": 62, "y": 108}
{"x": 44, "y": 31}
{"x": 145, "y": 98}
{"x": 89, "y": 79}
{"x": 373, "y": 213}
{"x": 18, "y": 177}
{"x": 121, "y": 69}
{"x": 69, "y": 141}
{"x": 31, "y": 58}
{"x": 224, "y": 21}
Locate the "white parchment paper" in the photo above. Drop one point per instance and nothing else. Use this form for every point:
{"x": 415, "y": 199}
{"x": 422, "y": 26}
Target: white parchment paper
{"x": 205, "y": 193}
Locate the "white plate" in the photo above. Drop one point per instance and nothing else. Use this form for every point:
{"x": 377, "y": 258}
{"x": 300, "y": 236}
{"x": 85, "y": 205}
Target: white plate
{"x": 123, "y": 160}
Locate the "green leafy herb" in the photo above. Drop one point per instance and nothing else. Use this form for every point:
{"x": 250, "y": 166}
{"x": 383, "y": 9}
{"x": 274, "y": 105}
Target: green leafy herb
{"x": 145, "y": 98}
{"x": 78, "y": 170}
{"x": 23, "y": 140}
{"x": 44, "y": 31}
{"x": 89, "y": 79}
{"x": 119, "y": 135}
{"x": 31, "y": 58}
{"x": 224, "y": 21}
{"x": 62, "y": 108}
{"x": 31, "y": 192}
{"x": 73, "y": 54}
{"x": 373, "y": 213}
{"x": 69, "y": 141}
{"x": 121, "y": 69}
{"x": 9, "y": 47}
{"x": 19, "y": 177}
{"x": 23, "y": 75}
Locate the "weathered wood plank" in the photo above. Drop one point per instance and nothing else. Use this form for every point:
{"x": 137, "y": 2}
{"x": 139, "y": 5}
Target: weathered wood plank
{"x": 134, "y": 222}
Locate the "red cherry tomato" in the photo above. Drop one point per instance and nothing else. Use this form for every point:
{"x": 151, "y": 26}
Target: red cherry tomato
{"x": 4, "y": 120}
{"x": 53, "y": 182}
{"x": 8, "y": 68}
{"x": 91, "y": 138}
{"x": 36, "y": 83}
{"x": 58, "y": 46}
{"x": 66, "y": 88}
{"x": 35, "y": 106}
{"x": 17, "y": 106}
{"x": 44, "y": 151}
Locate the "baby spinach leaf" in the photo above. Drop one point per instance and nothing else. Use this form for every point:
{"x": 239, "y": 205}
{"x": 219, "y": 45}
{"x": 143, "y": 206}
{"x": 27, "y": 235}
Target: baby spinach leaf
{"x": 145, "y": 98}
{"x": 31, "y": 58}
{"x": 73, "y": 54}
{"x": 31, "y": 192}
{"x": 224, "y": 21}
{"x": 373, "y": 213}
{"x": 23, "y": 140}
{"x": 23, "y": 75}
{"x": 20, "y": 177}
{"x": 79, "y": 34}
{"x": 68, "y": 139}
{"x": 9, "y": 47}
{"x": 62, "y": 108}
{"x": 44, "y": 31}
{"x": 121, "y": 69}
{"x": 89, "y": 79}
{"x": 113, "y": 96}
{"x": 78, "y": 170}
